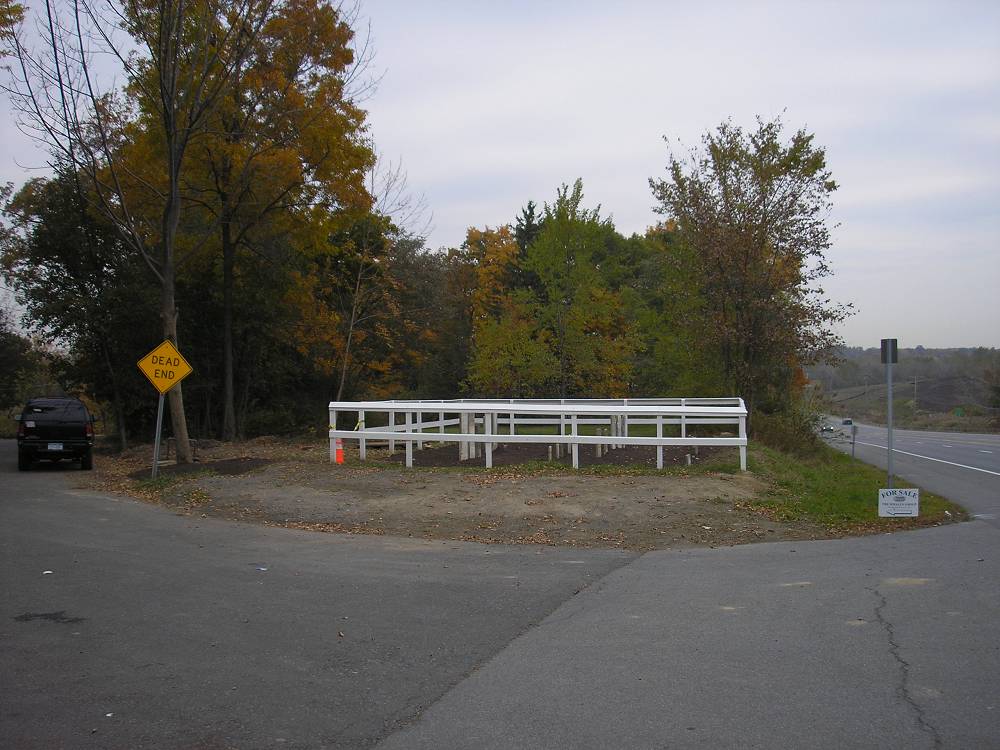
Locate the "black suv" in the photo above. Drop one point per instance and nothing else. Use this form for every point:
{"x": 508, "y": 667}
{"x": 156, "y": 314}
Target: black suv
{"x": 55, "y": 428}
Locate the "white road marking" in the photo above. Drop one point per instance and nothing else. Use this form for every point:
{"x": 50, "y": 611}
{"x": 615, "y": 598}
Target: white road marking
{"x": 985, "y": 451}
{"x": 947, "y": 446}
{"x": 929, "y": 458}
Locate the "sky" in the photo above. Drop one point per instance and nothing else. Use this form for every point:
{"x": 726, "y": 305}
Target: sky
{"x": 490, "y": 105}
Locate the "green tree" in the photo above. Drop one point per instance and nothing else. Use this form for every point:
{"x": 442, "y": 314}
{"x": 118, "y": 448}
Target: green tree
{"x": 512, "y": 358}
{"x": 592, "y": 343}
{"x": 752, "y": 209}
{"x": 18, "y": 362}
{"x": 11, "y": 14}
{"x": 80, "y": 287}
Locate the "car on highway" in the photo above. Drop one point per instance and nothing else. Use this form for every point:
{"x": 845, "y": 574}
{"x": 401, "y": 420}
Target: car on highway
{"x": 55, "y": 429}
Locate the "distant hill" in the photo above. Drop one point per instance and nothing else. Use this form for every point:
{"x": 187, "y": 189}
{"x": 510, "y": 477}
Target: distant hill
{"x": 954, "y": 389}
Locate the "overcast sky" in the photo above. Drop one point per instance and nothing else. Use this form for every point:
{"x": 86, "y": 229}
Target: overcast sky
{"x": 492, "y": 104}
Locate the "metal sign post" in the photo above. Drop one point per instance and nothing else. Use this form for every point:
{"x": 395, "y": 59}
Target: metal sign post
{"x": 156, "y": 441}
{"x": 890, "y": 355}
{"x": 165, "y": 368}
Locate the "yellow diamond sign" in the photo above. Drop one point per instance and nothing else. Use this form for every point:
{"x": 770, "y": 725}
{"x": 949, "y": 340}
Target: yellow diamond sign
{"x": 165, "y": 367}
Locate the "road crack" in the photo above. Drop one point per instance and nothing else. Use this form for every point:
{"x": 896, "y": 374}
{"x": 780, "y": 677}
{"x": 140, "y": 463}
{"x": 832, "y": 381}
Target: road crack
{"x": 903, "y": 688}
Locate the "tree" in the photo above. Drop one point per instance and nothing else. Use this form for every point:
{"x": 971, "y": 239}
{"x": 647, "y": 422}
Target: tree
{"x": 753, "y": 210}
{"x": 11, "y": 15}
{"x": 284, "y": 143}
{"x": 76, "y": 278}
{"x": 512, "y": 358}
{"x": 178, "y": 66}
{"x": 18, "y": 362}
{"x": 592, "y": 342}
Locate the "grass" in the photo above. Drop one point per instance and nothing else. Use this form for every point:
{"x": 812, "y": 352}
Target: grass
{"x": 837, "y": 491}
{"x": 166, "y": 480}
{"x": 828, "y": 488}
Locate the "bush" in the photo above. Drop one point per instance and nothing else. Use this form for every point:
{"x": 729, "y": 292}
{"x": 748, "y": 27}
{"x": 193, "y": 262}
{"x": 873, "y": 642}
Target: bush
{"x": 794, "y": 431}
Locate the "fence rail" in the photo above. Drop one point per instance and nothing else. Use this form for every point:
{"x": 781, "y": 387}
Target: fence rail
{"x": 477, "y": 425}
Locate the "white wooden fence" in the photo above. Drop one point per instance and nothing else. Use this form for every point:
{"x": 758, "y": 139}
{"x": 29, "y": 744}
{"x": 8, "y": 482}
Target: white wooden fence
{"x": 479, "y": 426}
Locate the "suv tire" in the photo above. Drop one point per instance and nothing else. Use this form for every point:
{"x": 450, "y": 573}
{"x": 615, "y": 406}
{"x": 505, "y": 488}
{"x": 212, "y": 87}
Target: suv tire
{"x": 87, "y": 461}
{"x": 23, "y": 460}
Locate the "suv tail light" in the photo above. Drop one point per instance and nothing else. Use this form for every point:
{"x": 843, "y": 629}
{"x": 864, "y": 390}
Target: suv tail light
{"x": 20, "y": 429}
{"x": 89, "y": 429}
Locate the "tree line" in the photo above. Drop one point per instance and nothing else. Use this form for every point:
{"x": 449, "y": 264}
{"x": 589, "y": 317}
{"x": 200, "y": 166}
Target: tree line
{"x": 229, "y": 198}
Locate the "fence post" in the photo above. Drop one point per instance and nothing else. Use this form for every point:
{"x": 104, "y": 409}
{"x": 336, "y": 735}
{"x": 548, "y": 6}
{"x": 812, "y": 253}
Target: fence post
{"x": 463, "y": 445}
{"x": 659, "y": 447}
{"x": 333, "y": 440}
{"x": 576, "y": 446}
{"x": 420, "y": 430}
{"x": 392, "y": 424}
{"x": 488, "y": 430}
{"x": 361, "y": 440}
{"x": 409, "y": 442}
{"x": 743, "y": 448}
{"x": 560, "y": 448}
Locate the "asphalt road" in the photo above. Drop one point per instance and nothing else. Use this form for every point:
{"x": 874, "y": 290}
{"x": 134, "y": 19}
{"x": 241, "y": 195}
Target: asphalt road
{"x": 962, "y": 467}
{"x": 153, "y": 630}
{"x": 170, "y": 625}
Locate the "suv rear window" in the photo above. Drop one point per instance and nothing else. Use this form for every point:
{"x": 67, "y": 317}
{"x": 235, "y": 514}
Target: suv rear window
{"x": 68, "y": 411}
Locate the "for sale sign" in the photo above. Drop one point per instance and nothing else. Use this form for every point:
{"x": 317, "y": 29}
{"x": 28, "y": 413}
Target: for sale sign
{"x": 902, "y": 502}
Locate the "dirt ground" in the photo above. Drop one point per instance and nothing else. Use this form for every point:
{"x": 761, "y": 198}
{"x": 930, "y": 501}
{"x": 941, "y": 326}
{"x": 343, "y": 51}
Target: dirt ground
{"x": 293, "y": 484}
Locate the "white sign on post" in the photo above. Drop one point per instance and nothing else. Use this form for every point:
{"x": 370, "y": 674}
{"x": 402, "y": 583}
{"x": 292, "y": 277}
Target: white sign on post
{"x": 899, "y": 502}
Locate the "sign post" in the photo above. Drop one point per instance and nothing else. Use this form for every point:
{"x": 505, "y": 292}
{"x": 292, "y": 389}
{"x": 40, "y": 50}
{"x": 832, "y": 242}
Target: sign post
{"x": 165, "y": 368}
{"x": 890, "y": 355}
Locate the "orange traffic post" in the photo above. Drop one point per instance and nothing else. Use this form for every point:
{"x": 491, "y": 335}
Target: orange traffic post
{"x": 339, "y": 456}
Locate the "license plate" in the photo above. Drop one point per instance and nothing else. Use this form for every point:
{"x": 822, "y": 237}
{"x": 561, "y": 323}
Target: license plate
{"x": 55, "y": 446}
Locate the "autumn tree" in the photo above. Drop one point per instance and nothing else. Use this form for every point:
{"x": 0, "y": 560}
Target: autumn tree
{"x": 353, "y": 321}
{"x": 752, "y": 209}
{"x": 284, "y": 145}
{"x": 178, "y": 59}
{"x": 509, "y": 354}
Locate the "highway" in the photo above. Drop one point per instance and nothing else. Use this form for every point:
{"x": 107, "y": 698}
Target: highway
{"x": 963, "y": 467}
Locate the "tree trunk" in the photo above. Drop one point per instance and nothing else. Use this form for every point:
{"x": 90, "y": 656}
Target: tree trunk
{"x": 350, "y": 334}
{"x": 228, "y": 394}
{"x": 168, "y": 314}
{"x": 116, "y": 398}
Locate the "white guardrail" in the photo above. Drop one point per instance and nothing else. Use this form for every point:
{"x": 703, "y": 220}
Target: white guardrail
{"x": 479, "y": 426}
